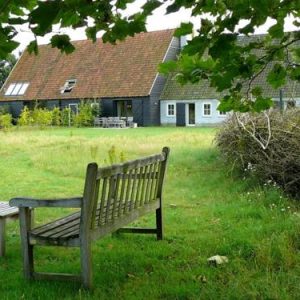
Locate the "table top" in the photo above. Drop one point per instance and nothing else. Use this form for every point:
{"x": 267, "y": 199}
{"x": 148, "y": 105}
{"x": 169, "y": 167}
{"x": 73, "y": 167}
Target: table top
{"x": 7, "y": 211}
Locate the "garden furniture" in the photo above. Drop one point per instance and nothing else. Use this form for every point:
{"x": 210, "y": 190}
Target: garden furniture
{"x": 113, "y": 197}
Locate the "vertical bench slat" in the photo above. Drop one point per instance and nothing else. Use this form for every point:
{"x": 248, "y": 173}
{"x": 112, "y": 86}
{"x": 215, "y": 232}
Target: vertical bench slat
{"x": 157, "y": 181}
{"x": 94, "y": 209}
{"x": 153, "y": 182}
{"x": 128, "y": 192}
{"x": 112, "y": 181}
{"x": 145, "y": 171}
{"x": 138, "y": 189}
{"x": 149, "y": 180}
{"x": 122, "y": 200}
{"x": 117, "y": 201}
{"x": 102, "y": 201}
{"x": 133, "y": 189}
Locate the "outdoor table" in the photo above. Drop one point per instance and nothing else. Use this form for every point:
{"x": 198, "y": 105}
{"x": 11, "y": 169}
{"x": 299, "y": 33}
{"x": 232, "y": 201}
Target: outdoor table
{"x": 6, "y": 213}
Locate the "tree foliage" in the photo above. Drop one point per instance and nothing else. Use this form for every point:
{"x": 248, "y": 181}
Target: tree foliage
{"x": 213, "y": 54}
{"x": 6, "y": 66}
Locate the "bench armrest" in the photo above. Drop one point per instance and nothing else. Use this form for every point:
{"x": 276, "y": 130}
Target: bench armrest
{"x": 29, "y": 202}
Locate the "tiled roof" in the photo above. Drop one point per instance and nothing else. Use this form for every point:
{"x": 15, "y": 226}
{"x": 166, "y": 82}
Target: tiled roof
{"x": 203, "y": 90}
{"x": 102, "y": 70}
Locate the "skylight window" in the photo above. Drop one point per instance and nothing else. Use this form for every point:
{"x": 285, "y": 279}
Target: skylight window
{"x": 17, "y": 89}
{"x": 69, "y": 85}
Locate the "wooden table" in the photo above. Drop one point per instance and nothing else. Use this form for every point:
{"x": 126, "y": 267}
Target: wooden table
{"x": 6, "y": 213}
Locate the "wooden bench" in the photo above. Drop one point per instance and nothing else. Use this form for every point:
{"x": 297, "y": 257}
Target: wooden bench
{"x": 6, "y": 213}
{"x": 113, "y": 196}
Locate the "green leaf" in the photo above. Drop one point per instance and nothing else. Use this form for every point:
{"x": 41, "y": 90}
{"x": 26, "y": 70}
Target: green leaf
{"x": 63, "y": 43}
{"x": 70, "y": 18}
{"x": 91, "y": 33}
{"x": 262, "y": 103}
{"x": 295, "y": 73}
{"x": 256, "y": 91}
{"x": 277, "y": 30}
{"x": 150, "y": 6}
{"x": 277, "y": 76}
{"x": 7, "y": 47}
{"x": 44, "y": 16}
{"x": 33, "y": 47}
{"x": 167, "y": 67}
{"x": 184, "y": 29}
{"x": 122, "y": 4}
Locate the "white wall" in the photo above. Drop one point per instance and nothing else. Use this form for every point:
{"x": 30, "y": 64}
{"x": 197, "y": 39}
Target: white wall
{"x": 200, "y": 118}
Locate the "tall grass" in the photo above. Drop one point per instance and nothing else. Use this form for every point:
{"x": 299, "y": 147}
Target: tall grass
{"x": 207, "y": 211}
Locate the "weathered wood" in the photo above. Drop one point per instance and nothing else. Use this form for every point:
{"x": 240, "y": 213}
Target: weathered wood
{"x": 56, "y": 276}
{"x": 130, "y": 165}
{"x": 2, "y": 236}
{"x": 29, "y": 202}
{"x": 124, "y": 220}
{"x": 137, "y": 230}
{"x": 6, "y": 213}
{"x": 113, "y": 197}
{"x": 27, "y": 249}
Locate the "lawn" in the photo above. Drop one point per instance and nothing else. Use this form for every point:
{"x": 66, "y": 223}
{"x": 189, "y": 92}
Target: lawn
{"x": 208, "y": 210}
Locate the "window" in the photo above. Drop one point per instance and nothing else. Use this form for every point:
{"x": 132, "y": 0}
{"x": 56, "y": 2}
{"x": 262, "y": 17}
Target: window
{"x": 171, "y": 110}
{"x": 69, "y": 85}
{"x": 17, "y": 89}
{"x": 206, "y": 109}
{"x": 222, "y": 113}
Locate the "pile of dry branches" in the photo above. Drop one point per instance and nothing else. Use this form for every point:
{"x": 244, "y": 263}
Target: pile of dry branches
{"x": 266, "y": 145}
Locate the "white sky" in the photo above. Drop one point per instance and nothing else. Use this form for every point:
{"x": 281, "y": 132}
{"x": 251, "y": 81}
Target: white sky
{"x": 156, "y": 22}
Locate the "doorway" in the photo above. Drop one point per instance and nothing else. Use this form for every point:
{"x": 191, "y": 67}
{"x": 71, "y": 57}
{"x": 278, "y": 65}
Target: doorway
{"x": 191, "y": 114}
{"x": 124, "y": 108}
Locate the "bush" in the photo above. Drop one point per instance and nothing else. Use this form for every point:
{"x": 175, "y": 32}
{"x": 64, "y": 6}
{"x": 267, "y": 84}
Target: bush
{"x": 273, "y": 155}
{"x": 5, "y": 121}
{"x": 42, "y": 117}
{"x": 25, "y": 118}
{"x": 85, "y": 116}
{"x": 65, "y": 114}
{"x": 56, "y": 116}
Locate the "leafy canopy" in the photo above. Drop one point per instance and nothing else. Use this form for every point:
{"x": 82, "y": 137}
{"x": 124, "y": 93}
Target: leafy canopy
{"x": 215, "y": 53}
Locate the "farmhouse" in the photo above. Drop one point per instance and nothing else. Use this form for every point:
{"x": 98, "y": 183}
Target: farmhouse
{"x": 196, "y": 104}
{"x": 123, "y": 77}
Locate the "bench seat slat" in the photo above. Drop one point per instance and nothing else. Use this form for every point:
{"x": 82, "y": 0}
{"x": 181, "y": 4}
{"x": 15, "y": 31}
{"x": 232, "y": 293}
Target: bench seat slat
{"x": 68, "y": 227}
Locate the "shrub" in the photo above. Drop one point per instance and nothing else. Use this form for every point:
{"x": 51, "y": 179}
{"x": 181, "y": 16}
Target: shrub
{"x": 4, "y": 109}
{"x": 42, "y": 117}
{"x": 85, "y": 117}
{"x": 5, "y": 121}
{"x": 65, "y": 114}
{"x": 56, "y": 116}
{"x": 25, "y": 118}
{"x": 266, "y": 146}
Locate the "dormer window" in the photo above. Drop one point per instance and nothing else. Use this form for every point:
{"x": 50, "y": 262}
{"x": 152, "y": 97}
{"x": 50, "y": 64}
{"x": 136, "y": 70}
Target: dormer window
{"x": 17, "y": 89}
{"x": 69, "y": 85}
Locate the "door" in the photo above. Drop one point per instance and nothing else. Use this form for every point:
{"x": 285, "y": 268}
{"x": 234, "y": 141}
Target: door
{"x": 191, "y": 115}
{"x": 124, "y": 108}
{"x": 180, "y": 114}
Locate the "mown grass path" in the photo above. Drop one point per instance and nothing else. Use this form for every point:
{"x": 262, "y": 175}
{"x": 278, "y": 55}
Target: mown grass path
{"x": 208, "y": 211}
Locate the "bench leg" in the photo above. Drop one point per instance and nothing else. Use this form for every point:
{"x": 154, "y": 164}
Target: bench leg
{"x": 86, "y": 265}
{"x": 2, "y": 237}
{"x": 27, "y": 249}
{"x": 159, "y": 224}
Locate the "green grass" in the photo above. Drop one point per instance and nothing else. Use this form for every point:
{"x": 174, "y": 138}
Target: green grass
{"x": 207, "y": 211}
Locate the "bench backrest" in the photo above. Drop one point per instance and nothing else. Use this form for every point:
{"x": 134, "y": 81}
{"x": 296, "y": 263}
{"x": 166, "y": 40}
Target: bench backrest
{"x": 114, "y": 191}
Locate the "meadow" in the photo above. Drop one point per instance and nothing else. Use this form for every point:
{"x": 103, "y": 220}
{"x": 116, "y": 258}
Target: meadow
{"x": 208, "y": 210}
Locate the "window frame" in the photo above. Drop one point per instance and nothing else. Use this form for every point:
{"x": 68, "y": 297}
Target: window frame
{"x": 69, "y": 86}
{"x": 203, "y": 110}
{"x": 174, "y": 109}
{"x": 17, "y": 89}
{"x": 222, "y": 114}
